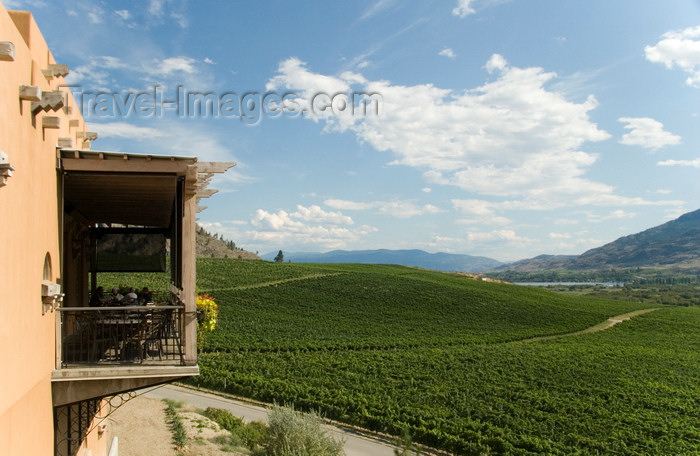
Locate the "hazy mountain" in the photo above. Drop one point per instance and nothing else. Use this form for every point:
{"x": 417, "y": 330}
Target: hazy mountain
{"x": 419, "y": 258}
{"x": 674, "y": 243}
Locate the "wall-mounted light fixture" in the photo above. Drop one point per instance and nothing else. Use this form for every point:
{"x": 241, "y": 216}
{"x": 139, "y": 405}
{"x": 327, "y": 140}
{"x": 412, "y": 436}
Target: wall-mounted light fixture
{"x": 51, "y": 297}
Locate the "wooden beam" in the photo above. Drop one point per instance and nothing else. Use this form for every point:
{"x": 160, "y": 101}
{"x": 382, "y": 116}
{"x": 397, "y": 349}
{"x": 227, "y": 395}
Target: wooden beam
{"x": 214, "y": 167}
{"x": 206, "y": 192}
{"x": 125, "y": 166}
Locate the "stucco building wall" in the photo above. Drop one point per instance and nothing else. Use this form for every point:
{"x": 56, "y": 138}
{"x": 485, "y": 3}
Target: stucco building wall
{"x": 29, "y": 234}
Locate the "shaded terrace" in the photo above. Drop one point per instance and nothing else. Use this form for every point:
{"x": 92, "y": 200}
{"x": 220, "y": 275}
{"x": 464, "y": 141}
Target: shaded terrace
{"x": 120, "y": 212}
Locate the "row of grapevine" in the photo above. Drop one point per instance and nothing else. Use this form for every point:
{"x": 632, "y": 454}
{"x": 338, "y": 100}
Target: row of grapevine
{"x": 391, "y": 348}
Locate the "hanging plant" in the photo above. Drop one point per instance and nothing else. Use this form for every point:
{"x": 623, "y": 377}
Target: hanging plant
{"x": 207, "y": 317}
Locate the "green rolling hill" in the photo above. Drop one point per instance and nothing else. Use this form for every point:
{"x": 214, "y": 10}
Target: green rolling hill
{"x": 452, "y": 360}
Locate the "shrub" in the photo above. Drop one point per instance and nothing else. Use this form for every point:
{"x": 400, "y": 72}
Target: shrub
{"x": 223, "y": 418}
{"x": 291, "y": 433}
{"x": 253, "y": 434}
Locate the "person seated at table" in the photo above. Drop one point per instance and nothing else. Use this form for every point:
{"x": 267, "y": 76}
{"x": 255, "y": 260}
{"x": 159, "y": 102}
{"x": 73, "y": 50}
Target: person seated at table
{"x": 146, "y": 296}
{"x": 115, "y": 296}
{"x": 131, "y": 297}
{"x": 98, "y": 297}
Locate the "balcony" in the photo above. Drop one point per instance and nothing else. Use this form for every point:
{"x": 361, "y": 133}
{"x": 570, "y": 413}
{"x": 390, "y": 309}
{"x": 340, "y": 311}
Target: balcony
{"x": 106, "y": 350}
{"x": 126, "y": 213}
{"x": 131, "y": 335}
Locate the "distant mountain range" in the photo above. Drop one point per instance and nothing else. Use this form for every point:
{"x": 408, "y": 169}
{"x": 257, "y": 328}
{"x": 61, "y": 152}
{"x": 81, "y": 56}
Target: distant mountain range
{"x": 674, "y": 243}
{"x": 418, "y": 258}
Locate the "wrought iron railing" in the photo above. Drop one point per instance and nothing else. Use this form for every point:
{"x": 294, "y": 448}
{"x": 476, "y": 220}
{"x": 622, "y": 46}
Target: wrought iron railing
{"x": 121, "y": 335}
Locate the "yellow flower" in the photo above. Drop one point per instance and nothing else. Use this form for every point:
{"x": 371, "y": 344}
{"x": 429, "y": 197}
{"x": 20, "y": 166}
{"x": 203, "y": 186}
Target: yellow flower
{"x": 207, "y": 312}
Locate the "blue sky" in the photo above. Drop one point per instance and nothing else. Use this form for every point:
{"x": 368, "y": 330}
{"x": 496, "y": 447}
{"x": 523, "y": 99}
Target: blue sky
{"x": 490, "y": 127}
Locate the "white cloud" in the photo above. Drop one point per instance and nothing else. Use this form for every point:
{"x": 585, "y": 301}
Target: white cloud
{"x": 560, "y": 235}
{"x": 399, "y": 209}
{"x": 679, "y": 48}
{"x": 479, "y": 211}
{"x": 496, "y": 63}
{"x": 463, "y": 8}
{"x": 376, "y": 8}
{"x": 614, "y": 215}
{"x": 496, "y": 235}
{"x": 126, "y": 130}
{"x": 564, "y": 221}
{"x": 209, "y": 61}
{"x": 181, "y": 20}
{"x": 162, "y": 71}
{"x": 12, "y": 4}
{"x": 647, "y": 133}
{"x": 348, "y": 205}
{"x": 155, "y": 7}
{"x": 305, "y": 226}
{"x": 124, "y": 14}
{"x": 171, "y": 65}
{"x": 509, "y": 138}
{"x": 474, "y": 207}
{"x": 692, "y": 163}
{"x": 171, "y": 137}
{"x": 489, "y": 220}
{"x": 447, "y": 52}
{"x": 404, "y": 209}
{"x": 316, "y": 214}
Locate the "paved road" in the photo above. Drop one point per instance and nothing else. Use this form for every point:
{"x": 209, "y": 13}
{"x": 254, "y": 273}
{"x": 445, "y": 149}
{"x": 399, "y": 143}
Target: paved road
{"x": 355, "y": 444}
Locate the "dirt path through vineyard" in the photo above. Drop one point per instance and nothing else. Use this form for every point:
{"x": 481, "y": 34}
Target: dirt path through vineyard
{"x": 607, "y": 324}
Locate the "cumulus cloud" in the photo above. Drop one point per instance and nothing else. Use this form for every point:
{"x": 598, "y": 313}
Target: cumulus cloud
{"x": 496, "y": 63}
{"x": 316, "y": 214}
{"x": 479, "y": 211}
{"x": 172, "y": 64}
{"x": 399, "y": 209}
{"x": 510, "y": 137}
{"x": 447, "y": 52}
{"x": 681, "y": 49}
{"x": 307, "y": 225}
{"x": 647, "y": 133}
{"x": 463, "y": 8}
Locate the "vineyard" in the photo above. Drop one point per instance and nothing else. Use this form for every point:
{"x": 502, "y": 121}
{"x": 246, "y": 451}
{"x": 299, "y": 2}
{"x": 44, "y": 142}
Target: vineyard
{"x": 449, "y": 359}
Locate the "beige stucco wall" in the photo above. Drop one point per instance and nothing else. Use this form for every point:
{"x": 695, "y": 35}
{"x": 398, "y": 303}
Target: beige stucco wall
{"x": 29, "y": 229}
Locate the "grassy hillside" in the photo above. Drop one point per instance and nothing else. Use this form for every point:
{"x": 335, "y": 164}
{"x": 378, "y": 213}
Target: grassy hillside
{"x": 446, "y": 357}
{"x": 215, "y": 246}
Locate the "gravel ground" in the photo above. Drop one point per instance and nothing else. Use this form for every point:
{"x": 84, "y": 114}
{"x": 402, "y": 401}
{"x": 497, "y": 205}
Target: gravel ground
{"x": 140, "y": 426}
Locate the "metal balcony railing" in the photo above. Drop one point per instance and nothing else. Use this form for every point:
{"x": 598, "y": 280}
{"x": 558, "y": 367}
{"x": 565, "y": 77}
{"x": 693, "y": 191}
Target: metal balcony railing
{"x": 121, "y": 335}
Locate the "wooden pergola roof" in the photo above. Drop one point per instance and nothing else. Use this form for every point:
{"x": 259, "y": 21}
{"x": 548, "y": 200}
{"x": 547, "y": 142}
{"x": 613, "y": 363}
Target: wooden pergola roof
{"x": 131, "y": 189}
